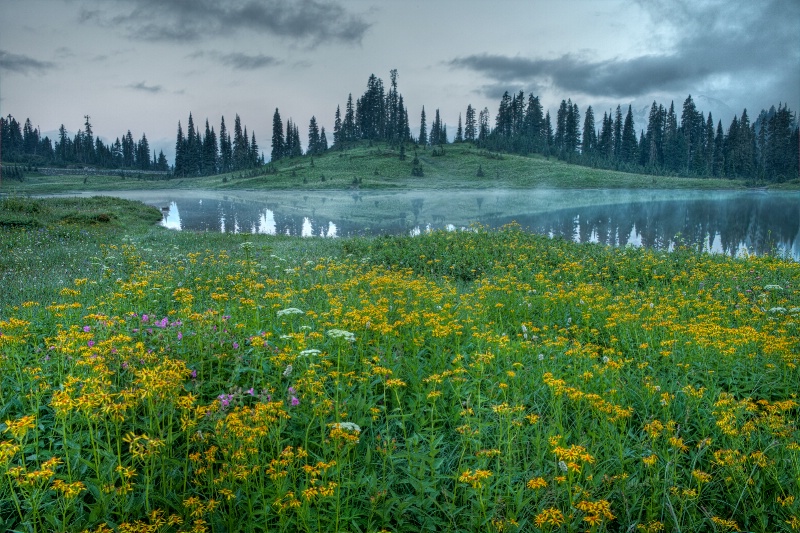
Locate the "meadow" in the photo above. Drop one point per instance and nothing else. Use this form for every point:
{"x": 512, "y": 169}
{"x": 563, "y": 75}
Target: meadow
{"x": 454, "y": 381}
{"x": 378, "y": 166}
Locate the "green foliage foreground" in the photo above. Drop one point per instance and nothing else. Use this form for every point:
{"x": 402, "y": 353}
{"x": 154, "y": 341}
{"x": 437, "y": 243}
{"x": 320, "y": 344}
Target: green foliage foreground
{"x": 470, "y": 381}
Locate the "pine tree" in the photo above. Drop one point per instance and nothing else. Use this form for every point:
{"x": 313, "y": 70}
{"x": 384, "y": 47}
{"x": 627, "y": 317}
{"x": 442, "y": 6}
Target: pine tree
{"x": 689, "y": 130}
{"x": 423, "y": 129}
{"x": 323, "y": 140}
{"x": 278, "y": 143}
{"x": 617, "y": 134}
{"x": 436, "y": 130}
{"x": 180, "y": 153}
{"x": 745, "y": 150}
{"x": 192, "y": 160}
{"x": 654, "y": 138}
{"x": 349, "y": 125}
{"x": 162, "y": 164}
{"x": 337, "y": 129}
{"x": 561, "y": 125}
{"x": 460, "y": 131}
{"x": 605, "y": 142}
{"x": 143, "y": 154}
{"x": 62, "y": 147}
{"x": 470, "y": 131}
{"x": 297, "y": 148}
{"x": 254, "y": 155}
{"x": 88, "y": 144}
{"x": 225, "y": 148}
{"x": 240, "y": 148}
{"x": 548, "y": 134}
{"x": 403, "y": 129}
{"x": 572, "y": 133}
{"x": 672, "y": 142}
{"x": 534, "y": 125}
{"x": 128, "y": 149}
{"x": 210, "y": 152}
{"x": 313, "y": 136}
{"x": 483, "y": 126}
{"x": 589, "y": 140}
{"x": 628, "y": 147}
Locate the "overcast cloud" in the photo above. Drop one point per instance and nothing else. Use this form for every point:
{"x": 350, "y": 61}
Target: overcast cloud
{"x": 22, "y": 64}
{"x": 144, "y": 65}
{"x": 312, "y": 21}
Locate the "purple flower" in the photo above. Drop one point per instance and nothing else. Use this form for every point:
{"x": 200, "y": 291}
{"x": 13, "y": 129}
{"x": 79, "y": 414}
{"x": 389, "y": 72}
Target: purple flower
{"x": 291, "y": 390}
{"x": 295, "y": 402}
{"x": 224, "y": 400}
{"x": 87, "y": 329}
{"x": 90, "y": 343}
{"x": 124, "y": 366}
{"x": 235, "y": 345}
{"x": 145, "y": 318}
{"x": 251, "y": 392}
{"x": 180, "y": 335}
{"x": 194, "y": 374}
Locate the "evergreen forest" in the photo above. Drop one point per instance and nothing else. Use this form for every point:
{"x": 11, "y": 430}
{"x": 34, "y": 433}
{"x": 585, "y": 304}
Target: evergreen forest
{"x": 675, "y": 142}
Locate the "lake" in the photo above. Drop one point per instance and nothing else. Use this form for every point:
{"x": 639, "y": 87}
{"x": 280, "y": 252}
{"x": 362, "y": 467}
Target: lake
{"x": 730, "y": 222}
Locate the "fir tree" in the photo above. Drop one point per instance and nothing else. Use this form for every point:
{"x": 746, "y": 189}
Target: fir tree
{"x": 628, "y": 146}
{"x": 460, "y": 131}
{"x": 278, "y": 143}
{"x": 349, "y": 130}
{"x": 589, "y": 135}
{"x": 180, "y": 151}
{"x": 225, "y": 148}
{"x": 313, "y": 137}
{"x": 423, "y": 129}
{"x": 337, "y": 129}
{"x": 470, "y": 131}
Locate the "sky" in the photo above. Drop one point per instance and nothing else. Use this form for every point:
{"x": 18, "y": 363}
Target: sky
{"x": 144, "y": 65}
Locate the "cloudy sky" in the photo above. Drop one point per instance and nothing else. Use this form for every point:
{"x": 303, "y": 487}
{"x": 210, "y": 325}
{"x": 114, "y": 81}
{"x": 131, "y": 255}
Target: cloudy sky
{"x": 143, "y": 65}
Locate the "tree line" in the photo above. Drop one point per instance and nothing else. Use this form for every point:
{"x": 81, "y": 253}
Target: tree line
{"x": 203, "y": 154}
{"x": 765, "y": 149}
{"x": 22, "y": 143}
{"x": 692, "y": 144}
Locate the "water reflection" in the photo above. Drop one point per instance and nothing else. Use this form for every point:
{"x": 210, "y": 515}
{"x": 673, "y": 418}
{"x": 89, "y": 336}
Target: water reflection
{"x": 723, "y": 222}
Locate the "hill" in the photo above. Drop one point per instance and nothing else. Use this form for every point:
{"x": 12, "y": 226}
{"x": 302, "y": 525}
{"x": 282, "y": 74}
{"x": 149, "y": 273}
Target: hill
{"x": 378, "y": 166}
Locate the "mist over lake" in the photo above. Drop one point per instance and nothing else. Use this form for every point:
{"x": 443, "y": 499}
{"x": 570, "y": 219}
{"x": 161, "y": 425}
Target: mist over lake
{"x": 730, "y": 222}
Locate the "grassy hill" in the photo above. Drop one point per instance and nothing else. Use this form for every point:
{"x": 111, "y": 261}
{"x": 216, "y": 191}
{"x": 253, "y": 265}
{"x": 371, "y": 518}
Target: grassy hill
{"x": 378, "y": 166}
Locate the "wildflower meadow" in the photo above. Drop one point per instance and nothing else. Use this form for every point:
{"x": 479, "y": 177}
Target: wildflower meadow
{"x": 454, "y": 381}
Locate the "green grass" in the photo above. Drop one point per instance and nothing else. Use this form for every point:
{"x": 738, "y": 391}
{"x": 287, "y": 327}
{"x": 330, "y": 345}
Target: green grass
{"x": 488, "y": 381}
{"x": 379, "y": 167}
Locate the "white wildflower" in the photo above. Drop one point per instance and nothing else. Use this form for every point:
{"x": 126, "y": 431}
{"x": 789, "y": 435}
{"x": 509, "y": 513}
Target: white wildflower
{"x": 288, "y": 371}
{"x": 290, "y": 311}
{"x": 310, "y": 351}
{"x": 562, "y": 466}
{"x": 606, "y": 359}
{"x": 347, "y": 426}
{"x": 541, "y": 357}
{"x": 777, "y": 310}
{"x": 773, "y": 288}
{"x": 341, "y": 334}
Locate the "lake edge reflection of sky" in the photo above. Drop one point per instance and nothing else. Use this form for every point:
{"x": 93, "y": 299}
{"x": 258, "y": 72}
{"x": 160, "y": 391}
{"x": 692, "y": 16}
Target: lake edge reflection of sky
{"x": 730, "y": 222}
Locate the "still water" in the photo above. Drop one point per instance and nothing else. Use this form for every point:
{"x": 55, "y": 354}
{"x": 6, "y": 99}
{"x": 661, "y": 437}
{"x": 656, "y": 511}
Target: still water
{"x": 729, "y": 222}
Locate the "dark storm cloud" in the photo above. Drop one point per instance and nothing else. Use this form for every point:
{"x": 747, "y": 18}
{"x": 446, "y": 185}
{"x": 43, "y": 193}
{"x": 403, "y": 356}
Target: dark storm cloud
{"x": 312, "y": 21}
{"x": 248, "y": 62}
{"x": 142, "y": 86}
{"x": 753, "y": 42}
{"x": 23, "y": 64}
{"x": 239, "y": 61}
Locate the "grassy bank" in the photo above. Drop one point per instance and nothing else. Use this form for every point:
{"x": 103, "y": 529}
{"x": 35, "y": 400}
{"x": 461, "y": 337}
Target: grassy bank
{"x": 466, "y": 381}
{"x": 380, "y": 167}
